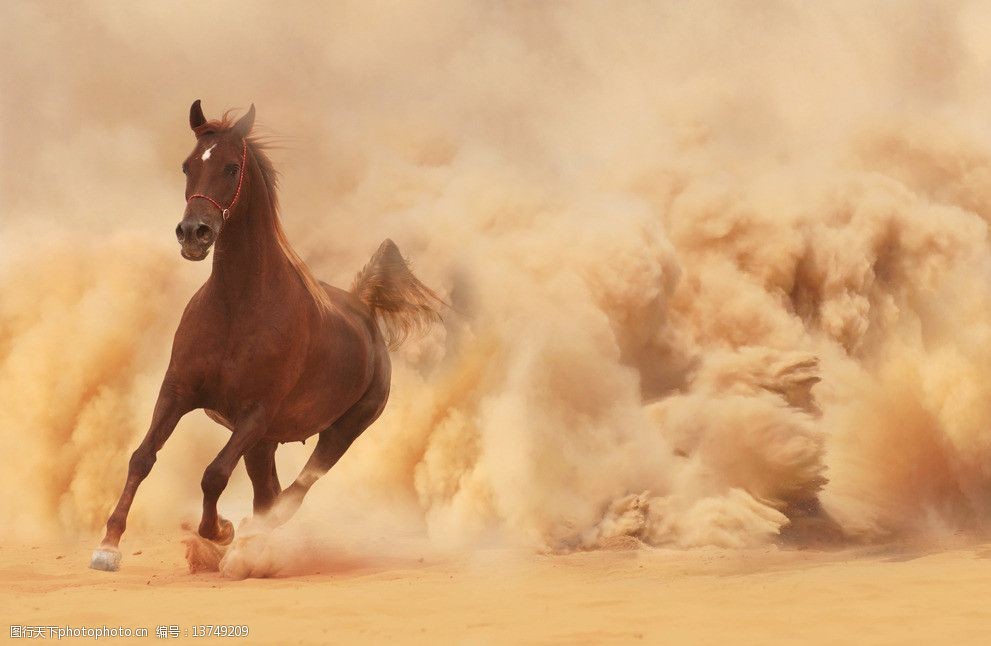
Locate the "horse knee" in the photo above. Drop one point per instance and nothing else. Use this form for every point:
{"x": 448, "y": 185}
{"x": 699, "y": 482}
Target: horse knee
{"x": 214, "y": 480}
{"x": 141, "y": 462}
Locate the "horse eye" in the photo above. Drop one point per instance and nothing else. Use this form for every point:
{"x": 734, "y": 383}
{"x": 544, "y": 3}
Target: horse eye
{"x": 231, "y": 169}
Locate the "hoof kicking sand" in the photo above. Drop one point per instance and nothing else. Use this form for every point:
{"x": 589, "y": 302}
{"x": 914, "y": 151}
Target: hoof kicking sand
{"x": 107, "y": 560}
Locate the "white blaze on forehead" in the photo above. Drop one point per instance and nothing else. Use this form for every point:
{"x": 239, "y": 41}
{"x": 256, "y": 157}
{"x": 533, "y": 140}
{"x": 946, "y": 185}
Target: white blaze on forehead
{"x": 206, "y": 153}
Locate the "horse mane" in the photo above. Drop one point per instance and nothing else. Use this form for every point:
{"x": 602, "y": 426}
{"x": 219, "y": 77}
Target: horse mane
{"x": 257, "y": 147}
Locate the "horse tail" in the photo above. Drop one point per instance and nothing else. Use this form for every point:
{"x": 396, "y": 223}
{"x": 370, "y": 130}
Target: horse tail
{"x": 396, "y": 297}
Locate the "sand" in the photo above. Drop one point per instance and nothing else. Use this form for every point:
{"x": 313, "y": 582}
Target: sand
{"x": 879, "y": 595}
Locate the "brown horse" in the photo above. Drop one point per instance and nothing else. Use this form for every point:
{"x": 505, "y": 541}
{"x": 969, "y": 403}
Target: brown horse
{"x": 264, "y": 348}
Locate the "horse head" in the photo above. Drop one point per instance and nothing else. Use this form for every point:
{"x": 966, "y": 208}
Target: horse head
{"x": 215, "y": 173}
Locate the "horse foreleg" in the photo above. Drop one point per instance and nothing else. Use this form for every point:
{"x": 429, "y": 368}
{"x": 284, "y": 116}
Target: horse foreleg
{"x": 259, "y": 461}
{"x": 246, "y": 434}
{"x": 169, "y": 409}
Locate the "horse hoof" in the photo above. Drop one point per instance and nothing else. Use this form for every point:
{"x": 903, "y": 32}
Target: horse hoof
{"x": 107, "y": 560}
{"x": 226, "y": 534}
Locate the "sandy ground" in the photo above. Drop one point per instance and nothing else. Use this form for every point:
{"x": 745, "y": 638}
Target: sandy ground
{"x": 875, "y": 596}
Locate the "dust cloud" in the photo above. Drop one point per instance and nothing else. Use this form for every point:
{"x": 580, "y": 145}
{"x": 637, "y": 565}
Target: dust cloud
{"x": 720, "y": 269}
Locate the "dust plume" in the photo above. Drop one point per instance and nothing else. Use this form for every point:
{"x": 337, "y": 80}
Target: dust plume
{"x": 721, "y": 270}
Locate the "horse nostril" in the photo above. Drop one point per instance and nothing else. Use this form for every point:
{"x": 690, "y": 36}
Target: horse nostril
{"x": 178, "y": 232}
{"x": 204, "y": 233}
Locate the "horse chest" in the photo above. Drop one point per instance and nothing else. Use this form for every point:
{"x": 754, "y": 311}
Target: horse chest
{"x": 242, "y": 362}
{"x": 254, "y": 354}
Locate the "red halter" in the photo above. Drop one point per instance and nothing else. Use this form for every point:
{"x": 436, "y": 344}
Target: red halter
{"x": 240, "y": 180}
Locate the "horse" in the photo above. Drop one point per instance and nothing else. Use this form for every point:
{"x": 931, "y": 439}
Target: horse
{"x": 262, "y": 347}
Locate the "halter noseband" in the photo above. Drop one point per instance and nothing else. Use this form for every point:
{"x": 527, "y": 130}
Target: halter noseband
{"x": 237, "y": 193}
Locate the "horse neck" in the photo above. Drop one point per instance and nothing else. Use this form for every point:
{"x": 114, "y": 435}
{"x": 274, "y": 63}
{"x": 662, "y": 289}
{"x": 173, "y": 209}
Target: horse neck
{"x": 248, "y": 260}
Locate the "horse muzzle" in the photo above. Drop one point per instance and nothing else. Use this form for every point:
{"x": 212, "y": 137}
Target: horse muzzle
{"x": 195, "y": 238}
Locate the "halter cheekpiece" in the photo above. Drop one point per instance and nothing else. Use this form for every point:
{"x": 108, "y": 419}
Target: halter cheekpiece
{"x": 237, "y": 193}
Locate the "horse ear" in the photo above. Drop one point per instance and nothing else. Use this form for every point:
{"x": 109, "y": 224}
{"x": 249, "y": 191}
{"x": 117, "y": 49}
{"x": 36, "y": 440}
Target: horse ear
{"x": 196, "y": 118}
{"x": 243, "y": 125}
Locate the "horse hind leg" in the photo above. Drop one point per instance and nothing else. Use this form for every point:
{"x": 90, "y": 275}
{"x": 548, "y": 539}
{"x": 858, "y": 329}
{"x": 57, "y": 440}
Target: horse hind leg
{"x": 259, "y": 461}
{"x": 330, "y": 447}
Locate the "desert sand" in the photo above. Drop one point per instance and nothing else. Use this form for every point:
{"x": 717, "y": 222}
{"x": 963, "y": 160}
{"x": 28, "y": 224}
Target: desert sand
{"x": 877, "y": 595}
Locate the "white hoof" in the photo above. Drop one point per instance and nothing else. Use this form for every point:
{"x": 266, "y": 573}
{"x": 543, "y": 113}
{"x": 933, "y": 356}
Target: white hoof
{"x": 107, "y": 560}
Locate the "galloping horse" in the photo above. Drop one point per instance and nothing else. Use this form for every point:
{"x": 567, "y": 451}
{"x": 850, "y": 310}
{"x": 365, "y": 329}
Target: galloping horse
{"x": 264, "y": 348}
